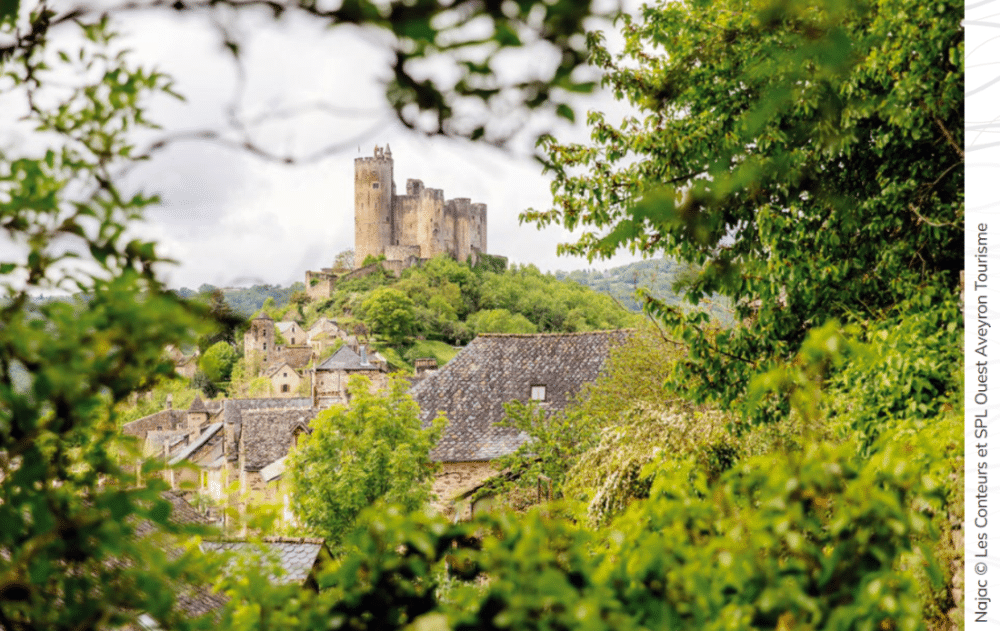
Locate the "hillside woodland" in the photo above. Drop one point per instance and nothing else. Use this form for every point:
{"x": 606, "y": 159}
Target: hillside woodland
{"x": 801, "y": 468}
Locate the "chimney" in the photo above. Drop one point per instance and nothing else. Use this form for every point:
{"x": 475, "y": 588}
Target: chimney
{"x": 364, "y": 354}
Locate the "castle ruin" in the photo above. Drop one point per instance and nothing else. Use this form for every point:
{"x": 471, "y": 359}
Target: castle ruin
{"x": 405, "y": 229}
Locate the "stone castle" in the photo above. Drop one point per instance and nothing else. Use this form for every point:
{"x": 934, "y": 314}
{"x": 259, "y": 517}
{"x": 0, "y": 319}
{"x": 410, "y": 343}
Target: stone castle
{"x": 419, "y": 224}
{"x": 405, "y": 229}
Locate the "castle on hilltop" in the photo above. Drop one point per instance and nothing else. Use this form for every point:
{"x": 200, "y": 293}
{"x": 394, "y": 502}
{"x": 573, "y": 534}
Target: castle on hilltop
{"x": 404, "y": 229}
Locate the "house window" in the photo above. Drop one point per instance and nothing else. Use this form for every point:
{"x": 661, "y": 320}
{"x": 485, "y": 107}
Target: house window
{"x": 375, "y": 185}
{"x": 293, "y": 341}
{"x": 537, "y": 393}
{"x": 284, "y": 387}
{"x": 265, "y": 346}
{"x": 284, "y": 374}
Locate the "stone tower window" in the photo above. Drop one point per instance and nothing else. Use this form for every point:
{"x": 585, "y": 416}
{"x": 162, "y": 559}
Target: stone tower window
{"x": 537, "y": 393}
{"x": 375, "y": 185}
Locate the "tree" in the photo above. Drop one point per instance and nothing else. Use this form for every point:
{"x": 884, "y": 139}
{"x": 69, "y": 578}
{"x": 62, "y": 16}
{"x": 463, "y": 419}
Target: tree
{"x": 371, "y": 450}
{"x": 500, "y": 321}
{"x": 388, "y": 312}
{"x": 806, "y": 158}
{"x": 217, "y": 362}
{"x": 344, "y": 260}
{"x": 69, "y": 556}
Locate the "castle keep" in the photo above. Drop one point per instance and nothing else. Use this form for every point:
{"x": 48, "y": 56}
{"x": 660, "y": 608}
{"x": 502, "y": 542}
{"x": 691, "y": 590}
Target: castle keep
{"x": 417, "y": 225}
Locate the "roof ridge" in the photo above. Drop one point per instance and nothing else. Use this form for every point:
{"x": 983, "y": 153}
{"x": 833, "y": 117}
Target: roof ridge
{"x": 539, "y": 335}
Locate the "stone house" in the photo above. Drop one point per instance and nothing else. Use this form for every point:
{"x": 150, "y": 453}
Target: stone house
{"x": 259, "y": 338}
{"x": 260, "y": 343}
{"x": 331, "y": 376}
{"x": 323, "y": 334}
{"x": 292, "y": 333}
{"x": 285, "y": 380}
{"x": 492, "y": 370}
{"x": 185, "y": 365}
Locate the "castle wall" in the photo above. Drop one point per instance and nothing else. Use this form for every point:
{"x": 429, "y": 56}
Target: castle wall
{"x": 373, "y": 201}
{"x": 460, "y": 215}
{"x": 448, "y": 225}
{"x": 319, "y": 285}
{"x": 430, "y": 223}
{"x": 477, "y": 232}
{"x": 406, "y": 211}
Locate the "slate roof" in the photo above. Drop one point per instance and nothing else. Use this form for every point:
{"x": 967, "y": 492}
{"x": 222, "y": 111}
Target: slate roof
{"x": 267, "y": 434}
{"x": 274, "y": 368}
{"x": 285, "y": 325}
{"x": 232, "y": 413}
{"x": 496, "y": 368}
{"x": 297, "y": 556}
{"x": 198, "y": 443}
{"x": 167, "y": 419}
{"x": 346, "y": 359}
{"x": 197, "y": 405}
{"x": 193, "y": 600}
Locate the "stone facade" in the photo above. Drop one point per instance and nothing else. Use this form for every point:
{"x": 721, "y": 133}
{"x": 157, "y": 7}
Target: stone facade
{"x": 457, "y": 478}
{"x": 330, "y": 378}
{"x": 285, "y": 380}
{"x": 419, "y": 224}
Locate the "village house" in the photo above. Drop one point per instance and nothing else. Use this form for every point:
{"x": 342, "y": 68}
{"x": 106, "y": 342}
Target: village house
{"x": 292, "y": 332}
{"x": 185, "y": 365}
{"x": 285, "y": 379}
{"x": 471, "y": 389}
{"x": 297, "y": 560}
{"x": 331, "y": 377}
{"x": 226, "y": 442}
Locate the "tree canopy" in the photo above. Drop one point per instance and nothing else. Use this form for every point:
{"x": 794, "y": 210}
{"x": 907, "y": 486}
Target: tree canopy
{"x": 371, "y": 450}
{"x": 806, "y": 158}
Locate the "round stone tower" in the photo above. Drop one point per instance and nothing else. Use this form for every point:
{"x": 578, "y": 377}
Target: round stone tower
{"x": 373, "y": 194}
{"x": 259, "y": 338}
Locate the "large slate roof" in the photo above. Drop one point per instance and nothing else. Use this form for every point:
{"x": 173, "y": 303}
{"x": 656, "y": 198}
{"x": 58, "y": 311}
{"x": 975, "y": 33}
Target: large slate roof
{"x": 268, "y": 433}
{"x": 496, "y": 368}
{"x": 297, "y": 556}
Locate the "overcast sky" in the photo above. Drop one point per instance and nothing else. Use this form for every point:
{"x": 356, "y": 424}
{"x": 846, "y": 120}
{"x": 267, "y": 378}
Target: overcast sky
{"x": 232, "y": 219}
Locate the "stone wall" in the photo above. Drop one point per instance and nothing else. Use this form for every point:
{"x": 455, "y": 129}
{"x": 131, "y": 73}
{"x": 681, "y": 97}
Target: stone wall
{"x": 298, "y": 356}
{"x": 319, "y": 285}
{"x": 456, "y": 478}
{"x": 164, "y": 420}
{"x": 332, "y": 384}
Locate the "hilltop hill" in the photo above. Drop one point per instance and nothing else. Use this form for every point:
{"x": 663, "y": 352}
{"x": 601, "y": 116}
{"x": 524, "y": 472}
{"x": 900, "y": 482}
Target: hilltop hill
{"x": 620, "y": 283}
